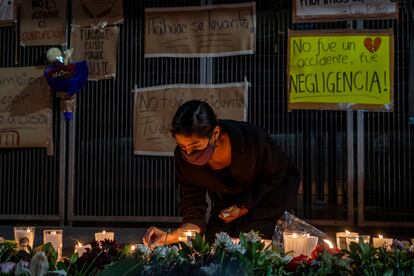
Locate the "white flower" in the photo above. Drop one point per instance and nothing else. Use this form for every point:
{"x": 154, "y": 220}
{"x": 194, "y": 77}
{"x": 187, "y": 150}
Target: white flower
{"x": 224, "y": 240}
{"x": 143, "y": 250}
{"x": 233, "y": 248}
{"x": 212, "y": 269}
{"x": 252, "y": 237}
{"x": 172, "y": 251}
{"x": 161, "y": 251}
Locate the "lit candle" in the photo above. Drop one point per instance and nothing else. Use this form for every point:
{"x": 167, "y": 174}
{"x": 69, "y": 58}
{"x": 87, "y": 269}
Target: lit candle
{"x": 80, "y": 249}
{"x": 100, "y": 236}
{"x": 310, "y": 243}
{"x": 55, "y": 238}
{"x": 381, "y": 241}
{"x": 294, "y": 242}
{"x": 24, "y": 237}
{"x": 186, "y": 236}
{"x": 341, "y": 238}
{"x": 235, "y": 240}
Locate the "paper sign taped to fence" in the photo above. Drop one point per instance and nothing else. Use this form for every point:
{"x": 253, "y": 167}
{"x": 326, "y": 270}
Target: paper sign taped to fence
{"x": 341, "y": 70}
{"x": 220, "y": 30}
{"x": 99, "y": 47}
{"x": 326, "y": 10}
{"x": 7, "y": 12}
{"x": 154, "y": 108}
{"x": 87, "y": 13}
{"x": 42, "y": 22}
{"x": 25, "y": 108}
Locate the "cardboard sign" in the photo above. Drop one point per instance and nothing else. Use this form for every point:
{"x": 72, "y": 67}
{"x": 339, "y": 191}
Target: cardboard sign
{"x": 42, "y": 22}
{"x": 99, "y": 48}
{"x": 154, "y": 108}
{"x": 341, "y": 70}
{"x": 326, "y": 10}
{"x": 87, "y": 13}
{"x": 221, "y": 30}
{"x": 25, "y": 108}
{"x": 7, "y": 12}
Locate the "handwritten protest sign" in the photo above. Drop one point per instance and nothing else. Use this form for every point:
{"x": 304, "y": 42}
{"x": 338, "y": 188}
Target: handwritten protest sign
{"x": 99, "y": 48}
{"x": 328, "y": 10}
{"x": 7, "y": 12}
{"x": 220, "y": 30}
{"x": 25, "y": 108}
{"x": 42, "y": 22}
{"x": 341, "y": 70}
{"x": 87, "y": 13}
{"x": 154, "y": 108}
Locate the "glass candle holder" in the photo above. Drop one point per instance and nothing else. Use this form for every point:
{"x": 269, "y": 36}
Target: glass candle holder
{"x": 186, "y": 236}
{"x": 24, "y": 237}
{"x": 55, "y": 237}
{"x": 380, "y": 241}
{"x": 100, "y": 236}
{"x": 294, "y": 242}
{"x": 341, "y": 239}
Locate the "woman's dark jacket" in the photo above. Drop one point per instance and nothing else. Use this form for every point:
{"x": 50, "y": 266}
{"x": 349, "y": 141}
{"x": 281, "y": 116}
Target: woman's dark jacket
{"x": 260, "y": 176}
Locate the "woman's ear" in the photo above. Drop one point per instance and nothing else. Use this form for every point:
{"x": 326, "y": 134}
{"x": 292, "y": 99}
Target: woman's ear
{"x": 216, "y": 133}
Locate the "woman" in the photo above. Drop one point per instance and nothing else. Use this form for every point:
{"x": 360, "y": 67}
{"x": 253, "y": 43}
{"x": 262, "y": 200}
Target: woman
{"x": 249, "y": 180}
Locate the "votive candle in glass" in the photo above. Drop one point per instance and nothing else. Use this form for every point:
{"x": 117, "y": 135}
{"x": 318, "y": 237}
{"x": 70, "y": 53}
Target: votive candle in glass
{"x": 55, "y": 237}
{"x": 100, "y": 236}
{"x": 24, "y": 237}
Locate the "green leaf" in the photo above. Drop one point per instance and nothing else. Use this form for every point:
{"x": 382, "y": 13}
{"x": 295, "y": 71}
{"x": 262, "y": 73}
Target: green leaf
{"x": 57, "y": 272}
{"x": 74, "y": 258}
{"x": 128, "y": 266}
{"x": 21, "y": 270}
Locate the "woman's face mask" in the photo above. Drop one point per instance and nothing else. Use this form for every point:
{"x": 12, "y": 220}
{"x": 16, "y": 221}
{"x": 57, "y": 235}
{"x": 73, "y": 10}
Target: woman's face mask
{"x": 194, "y": 150}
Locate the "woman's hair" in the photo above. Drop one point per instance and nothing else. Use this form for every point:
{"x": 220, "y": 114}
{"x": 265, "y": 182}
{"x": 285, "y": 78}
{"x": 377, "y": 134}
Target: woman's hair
{"x": 194, "y": 117}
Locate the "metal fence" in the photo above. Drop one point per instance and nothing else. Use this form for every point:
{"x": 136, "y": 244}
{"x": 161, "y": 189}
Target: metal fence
{"x": 349, "y": 160}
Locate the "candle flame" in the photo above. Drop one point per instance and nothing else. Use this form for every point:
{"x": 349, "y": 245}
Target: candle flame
{"x": 53, "y": 232}
{"x": 295, "y": 235}
{"x": 28, "y": 230}
{"x": 329, "y": 243}
{"x": 380, "y": 236}
{"x": 103, "y": 232}
{"x": 133, "y": 247}
{"x": 79, "y": 244}
{"x": 347, "y": 232}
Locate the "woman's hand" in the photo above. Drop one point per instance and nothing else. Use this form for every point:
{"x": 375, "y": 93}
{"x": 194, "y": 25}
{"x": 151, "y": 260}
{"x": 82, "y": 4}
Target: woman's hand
{"x": 154, "y": 237}
{"x": 232, "y": 213}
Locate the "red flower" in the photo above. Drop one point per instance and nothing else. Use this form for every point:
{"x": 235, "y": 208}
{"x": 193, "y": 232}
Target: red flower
{"x": 320, "y": 248}
{"x": 62, "y": 71}
{"x": 301, "y": 259}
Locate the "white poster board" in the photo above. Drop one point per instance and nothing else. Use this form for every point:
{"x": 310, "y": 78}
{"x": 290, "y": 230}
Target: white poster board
{"x": 154, "y": 108}
{"x": 324, "y": 10}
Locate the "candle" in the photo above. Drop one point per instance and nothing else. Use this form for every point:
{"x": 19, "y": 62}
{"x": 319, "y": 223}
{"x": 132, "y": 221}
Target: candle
{"x": 381, "y": 241}
{"x": 24, "y": 237}
{"x": 299, "y": 243}
{"x": 186, "y": 236}
{"x": 80, "y": 249}
{"x": 294, "y": 242}
{"x": 341, "y": 240}
{"x": 100, "y": 236}
{"x": 55, "y": 238}
{"x": 310, "y": 243}
{"x": 235, "y": 240}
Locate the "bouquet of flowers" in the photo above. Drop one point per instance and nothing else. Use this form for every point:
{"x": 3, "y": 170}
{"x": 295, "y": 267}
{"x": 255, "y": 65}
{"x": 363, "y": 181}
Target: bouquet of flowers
{"x": 65, "y": 77}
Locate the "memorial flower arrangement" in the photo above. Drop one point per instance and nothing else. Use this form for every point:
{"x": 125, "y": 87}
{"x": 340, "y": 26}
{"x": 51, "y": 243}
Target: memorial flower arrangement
{"x": 247, "y": 256}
